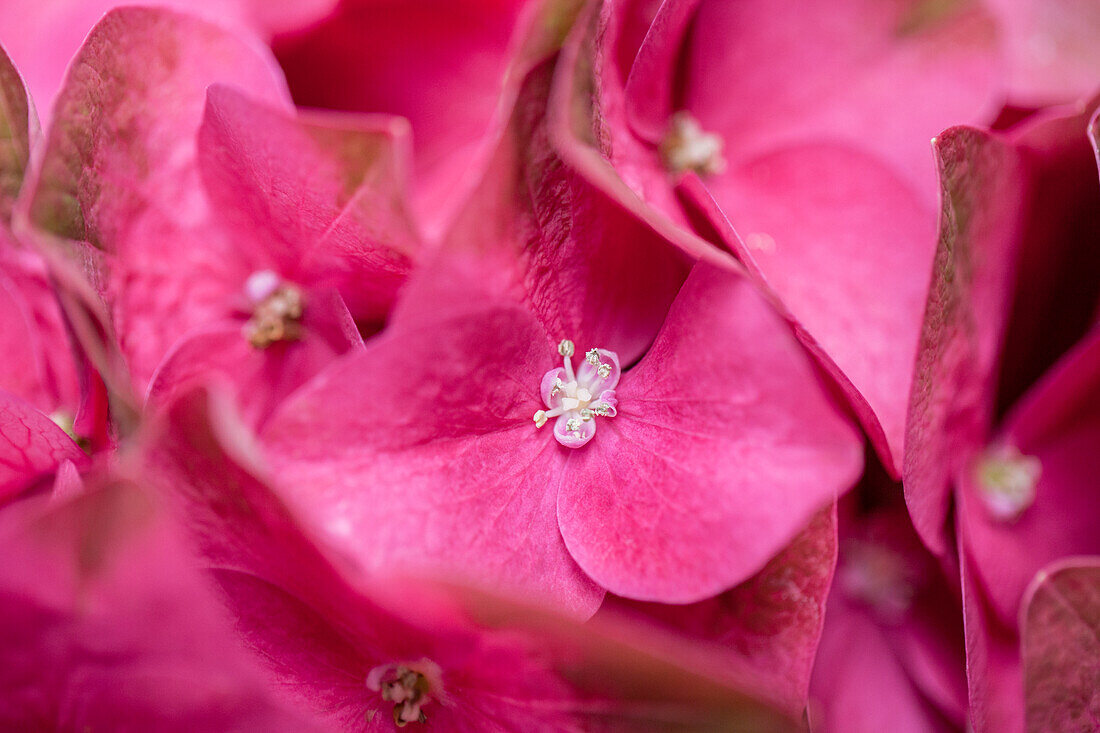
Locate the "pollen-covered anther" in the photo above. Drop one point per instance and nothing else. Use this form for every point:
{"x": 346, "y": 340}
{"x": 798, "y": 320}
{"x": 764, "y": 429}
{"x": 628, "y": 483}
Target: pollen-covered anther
{"x": 409, "y": 686}
{"x": 686, "y": 146}
{"x": 575, "y": 398}
{"x": 277, "y": 307}
{"x": 1007, "y": 480}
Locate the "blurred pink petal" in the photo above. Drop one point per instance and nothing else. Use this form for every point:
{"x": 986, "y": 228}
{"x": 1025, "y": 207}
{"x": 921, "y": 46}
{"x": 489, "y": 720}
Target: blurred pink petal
{"x": 444, "y": 66}
{"x": 1050, "y": 47}
{"x": 43, "y": 37}
{"x": 107, "y": 625}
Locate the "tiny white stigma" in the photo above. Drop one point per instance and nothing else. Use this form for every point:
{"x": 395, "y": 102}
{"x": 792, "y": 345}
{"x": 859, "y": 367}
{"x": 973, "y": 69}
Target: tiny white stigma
{"x": 687, "y": 147}
{"x": 276, "y": 309}
{"x": 576, "y": 397}
{"x": 409, "y": 686}
{"x": 1007, "y": 480}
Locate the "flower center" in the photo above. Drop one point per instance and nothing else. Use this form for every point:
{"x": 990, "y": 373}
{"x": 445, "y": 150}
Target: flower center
{"x": 409, "y": 686}
{"x": 577, "y": 398}
{"x": 1007, "y": 479}
{"x": 276, "y": 310}
{"x": 687, "y": 147}
{"x": 878, "y": 577}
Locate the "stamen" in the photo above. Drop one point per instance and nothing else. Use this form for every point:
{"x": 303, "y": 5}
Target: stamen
{"x": 276, "y": 310}
{"x": 687, "y": 147}
{"x": 409, "y": 686}
{"x": 578, "y": 397}
{"x": 1007, "y": 480}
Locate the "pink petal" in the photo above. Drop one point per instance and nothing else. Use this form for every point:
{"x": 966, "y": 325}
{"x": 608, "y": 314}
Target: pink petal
{"x": 106, "y": 623}
{"x": 1059, "y": 424}
{"x": 441, "y": 65}
{"x": 1051, "y": 49}
{"x": 31, "y": 446}
{"x": 1061, "y": 647}
{"x": 814, "y": 223}
{"x": 724, "y": 447}
{"x": 952, "y": 396}
{"x": 365, "y": 448}
{"x": 130, "y": 111}
{"x": 316, "y": 197}
{"x": 771, "y": 623}
{"x": 43, "y": 37}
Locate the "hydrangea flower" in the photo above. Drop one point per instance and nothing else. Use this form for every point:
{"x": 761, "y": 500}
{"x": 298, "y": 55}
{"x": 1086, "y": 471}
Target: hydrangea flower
{"x": 723, "y": 443}
{"x": 239, "y": 223}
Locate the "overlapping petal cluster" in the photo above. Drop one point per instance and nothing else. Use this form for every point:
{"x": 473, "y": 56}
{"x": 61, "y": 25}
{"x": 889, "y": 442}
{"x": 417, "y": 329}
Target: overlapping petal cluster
{"x": 550, "y": 365}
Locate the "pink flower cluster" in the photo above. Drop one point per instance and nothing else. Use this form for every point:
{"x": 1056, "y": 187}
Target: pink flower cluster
{"x": 550, "y": 365}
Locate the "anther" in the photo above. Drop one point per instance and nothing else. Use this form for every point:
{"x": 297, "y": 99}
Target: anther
{"x": 276, "y": 310}
{"x": 566, "y": 348}
{"x": 1007, "y": 479}
{"x": 687, "y": 147}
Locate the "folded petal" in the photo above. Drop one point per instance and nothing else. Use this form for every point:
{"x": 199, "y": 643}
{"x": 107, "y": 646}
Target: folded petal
{"x": 118, "y": 173}
{"x": 589, "y": 130}
{"x": 724, "y": 446}
{"x": 1060, "y": 626}
{"x": 954, "y": 385}
{"x": 419, "y": 453}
